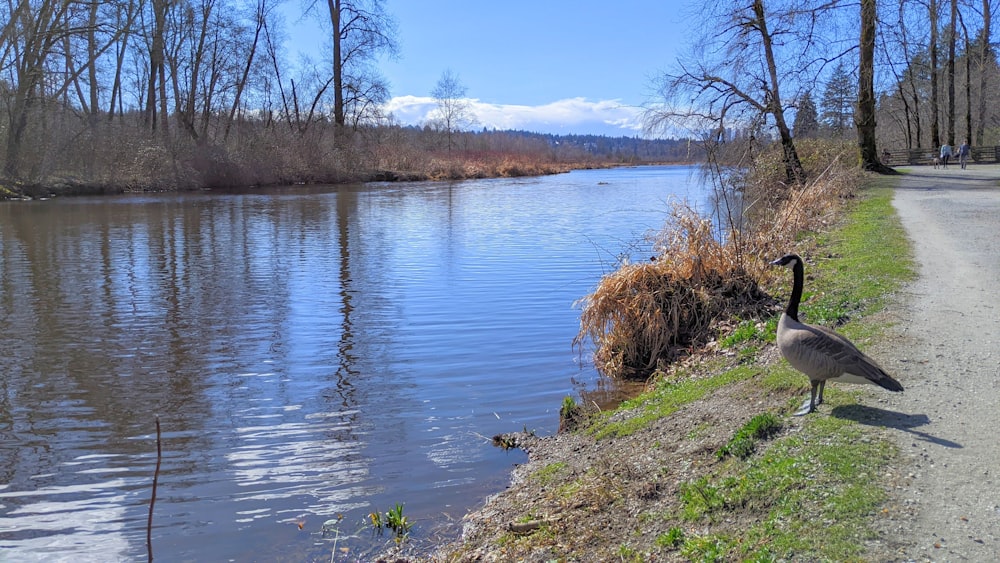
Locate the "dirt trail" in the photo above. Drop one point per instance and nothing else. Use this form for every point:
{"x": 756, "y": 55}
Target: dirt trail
{"x": 945, "y": 349}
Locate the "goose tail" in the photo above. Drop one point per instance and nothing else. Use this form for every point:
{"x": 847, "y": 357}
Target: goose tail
{"x": 878, "y": 376}
{"x": 887, "y": 382}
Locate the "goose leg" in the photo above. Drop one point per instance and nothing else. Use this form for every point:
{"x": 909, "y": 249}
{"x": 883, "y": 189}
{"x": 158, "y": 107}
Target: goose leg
{"x": 810, "y": 404}
{"x": 819, "y": 398}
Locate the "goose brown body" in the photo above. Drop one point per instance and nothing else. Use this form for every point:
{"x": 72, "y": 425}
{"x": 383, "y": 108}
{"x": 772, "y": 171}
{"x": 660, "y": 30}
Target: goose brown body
{"x": 819, "y": 352}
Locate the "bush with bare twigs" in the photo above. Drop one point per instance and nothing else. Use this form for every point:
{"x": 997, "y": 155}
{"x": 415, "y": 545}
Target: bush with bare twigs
{"x": 646, "y": 314}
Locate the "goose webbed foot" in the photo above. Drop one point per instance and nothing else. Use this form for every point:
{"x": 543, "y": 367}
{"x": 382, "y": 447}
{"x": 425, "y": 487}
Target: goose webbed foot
{"x": 815, "y": 399}
{"x": 806, "y": 408}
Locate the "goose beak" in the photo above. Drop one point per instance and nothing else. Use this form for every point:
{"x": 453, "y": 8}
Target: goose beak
{"x": 775, "y": 262}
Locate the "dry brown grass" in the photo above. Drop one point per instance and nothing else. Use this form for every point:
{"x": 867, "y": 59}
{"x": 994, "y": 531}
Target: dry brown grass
{"x": 644, "y": 315}
{"x": 460, "y": 166}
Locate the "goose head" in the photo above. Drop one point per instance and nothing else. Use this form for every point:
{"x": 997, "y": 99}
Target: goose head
{"x": 788, "y": 261}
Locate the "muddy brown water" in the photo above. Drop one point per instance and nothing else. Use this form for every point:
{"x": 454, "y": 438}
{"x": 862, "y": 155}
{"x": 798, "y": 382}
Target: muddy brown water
{"x": 313, "y": 354}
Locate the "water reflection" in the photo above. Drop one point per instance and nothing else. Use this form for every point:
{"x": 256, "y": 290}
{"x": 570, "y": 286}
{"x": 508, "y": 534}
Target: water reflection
{"x": 310, "y": 352}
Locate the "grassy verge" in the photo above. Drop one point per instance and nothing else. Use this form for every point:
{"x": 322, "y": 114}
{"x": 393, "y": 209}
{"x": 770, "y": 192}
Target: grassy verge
{"x": 813, "y": 492}
{"x": 809, "y": 494}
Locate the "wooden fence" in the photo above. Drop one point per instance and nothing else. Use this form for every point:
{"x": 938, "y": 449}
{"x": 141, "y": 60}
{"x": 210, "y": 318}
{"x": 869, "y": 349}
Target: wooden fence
{"x": 902, "y": 157}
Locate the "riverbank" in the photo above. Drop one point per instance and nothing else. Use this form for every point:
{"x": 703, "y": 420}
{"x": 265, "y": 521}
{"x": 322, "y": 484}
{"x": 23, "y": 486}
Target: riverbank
{"x": 442, "y": 169}
{"x": 657, "y": 479}
{"x": 117, "y": 158}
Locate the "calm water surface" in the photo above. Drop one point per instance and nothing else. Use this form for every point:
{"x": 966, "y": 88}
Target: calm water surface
{"x": 311, "y": 353}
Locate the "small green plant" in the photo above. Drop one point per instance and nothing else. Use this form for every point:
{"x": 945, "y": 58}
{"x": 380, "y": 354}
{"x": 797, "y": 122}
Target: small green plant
{"x": 745, "y": 332}
{"x": 744, "y": 442}
{"x": 626, "y": 553}
{"x": 568, "y": 406}
{"x": 570, "y": 414}
{"x": 393, "y": 519}
{"x": 548, "y": 473}
{"x": 700, "y": 497}
{"x": 673, "y": 539}
{"x": 708, "y": 548}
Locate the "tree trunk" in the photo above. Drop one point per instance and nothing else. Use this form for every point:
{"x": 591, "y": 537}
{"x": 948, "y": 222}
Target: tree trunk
{"x": 156, "y": 62}
{"x": 935, "y": 110}
{"x": 952, "y": 28}
{"x": 188, "y": 112}
{"x": 122, "y": 48}
{"x": 911, "y": 81}
{"x": 261, "y": 14}
{"x": 985, "y": 61}
{"x": 864, "y": 117}
{"x": 793, "y": 167}
{"x": 968, "y": 80}
{"x": 338, "y": 64}
{"x": 92, "y": 62}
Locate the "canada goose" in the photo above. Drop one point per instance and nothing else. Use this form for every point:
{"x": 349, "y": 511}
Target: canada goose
{"x": 820, "y": 353}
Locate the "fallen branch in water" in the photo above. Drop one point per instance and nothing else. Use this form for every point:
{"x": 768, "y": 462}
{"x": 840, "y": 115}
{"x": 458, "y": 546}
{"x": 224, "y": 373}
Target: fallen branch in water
{"x": 152, "y": 500}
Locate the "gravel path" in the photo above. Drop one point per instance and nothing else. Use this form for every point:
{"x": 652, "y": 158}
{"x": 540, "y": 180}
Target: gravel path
{"x": 945, "y": 349}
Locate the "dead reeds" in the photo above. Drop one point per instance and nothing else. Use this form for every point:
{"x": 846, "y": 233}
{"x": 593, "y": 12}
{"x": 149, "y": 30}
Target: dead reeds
{"x": 648, "y": 314}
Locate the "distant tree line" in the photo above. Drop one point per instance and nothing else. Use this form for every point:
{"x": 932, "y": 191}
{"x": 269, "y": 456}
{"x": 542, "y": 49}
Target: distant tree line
{"x": 106, "y": 95}
{"x": 900, "y": 73}
{"x": 943, "y": 83}
{"x": 173, "y": 93}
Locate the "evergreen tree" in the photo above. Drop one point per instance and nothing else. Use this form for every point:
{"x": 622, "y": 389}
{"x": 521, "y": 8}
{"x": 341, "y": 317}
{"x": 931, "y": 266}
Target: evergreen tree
{"x": 838, "y": 101}
{"x": 806, "y": 120}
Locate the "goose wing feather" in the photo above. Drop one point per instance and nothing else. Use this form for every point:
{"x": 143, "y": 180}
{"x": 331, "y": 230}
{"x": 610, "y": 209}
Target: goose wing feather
{"x": 824, "y": 354}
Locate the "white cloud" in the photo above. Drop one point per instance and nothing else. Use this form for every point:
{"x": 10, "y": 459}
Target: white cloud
{"x": 569, "y": 116}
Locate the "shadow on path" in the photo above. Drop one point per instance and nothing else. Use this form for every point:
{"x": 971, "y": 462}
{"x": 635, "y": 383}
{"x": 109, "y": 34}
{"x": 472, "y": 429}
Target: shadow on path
{"x": 880, "y": 417}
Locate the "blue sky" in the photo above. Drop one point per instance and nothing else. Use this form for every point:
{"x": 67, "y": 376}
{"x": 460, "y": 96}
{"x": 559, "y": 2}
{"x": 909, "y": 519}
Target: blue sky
{"x": 553, "y": 66}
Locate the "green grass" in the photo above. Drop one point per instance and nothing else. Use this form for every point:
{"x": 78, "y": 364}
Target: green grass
{"x": 666, "y": 399}
{"x": 813, "y": 492}
{"x": 809, "y": 495}
{"x": 745, "y": 332}
{"x": 744, "y": 443}
{"x": 871, "y": 260}
{"x": 546, "y": 474}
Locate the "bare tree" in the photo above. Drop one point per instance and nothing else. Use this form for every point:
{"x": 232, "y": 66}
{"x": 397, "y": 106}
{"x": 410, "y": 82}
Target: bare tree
{"x": 125, "y": 15}
{"x": 736, "y": 76}
{"x": 454, "y": 112}
{"x": 952, "y": 39}
{"x": 935, "y": 107}
{"x": 968, "y": 79}
{"x": 864, "y": 116}
{"x": 908, "y": 87}
{"x": 361, "y": 31}
{"x": 260, "y": 18}
{"x": 157, "y": 76}
{"x": 30, "y": 37}
{"x": 986, "y": 61}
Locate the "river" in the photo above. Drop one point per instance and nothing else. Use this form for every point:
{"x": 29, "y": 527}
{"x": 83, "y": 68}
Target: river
{"x": 313, "y": 354}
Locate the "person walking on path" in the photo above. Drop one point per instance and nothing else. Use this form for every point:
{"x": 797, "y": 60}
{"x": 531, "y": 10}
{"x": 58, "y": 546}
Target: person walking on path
{"x": 963, "y": 154}
{"x": 945, "y": 154}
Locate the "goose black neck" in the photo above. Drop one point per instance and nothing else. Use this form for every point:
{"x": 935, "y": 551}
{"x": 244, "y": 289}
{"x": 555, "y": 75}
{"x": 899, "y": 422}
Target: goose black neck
{"x": 798, "y": 273}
